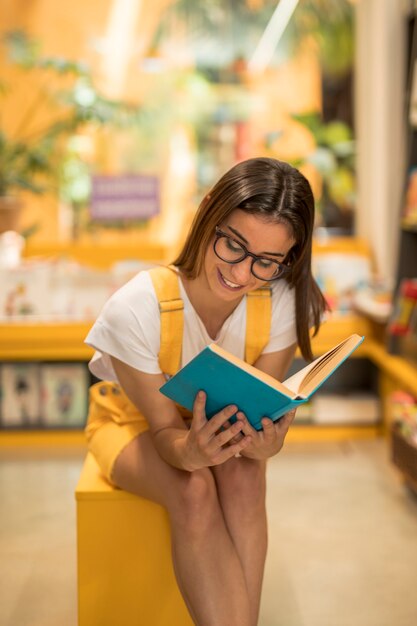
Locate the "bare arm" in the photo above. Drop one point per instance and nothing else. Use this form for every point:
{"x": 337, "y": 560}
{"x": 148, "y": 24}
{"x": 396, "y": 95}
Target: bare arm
{"x": 189, "y": 449}
{"x": 276, "y": 364}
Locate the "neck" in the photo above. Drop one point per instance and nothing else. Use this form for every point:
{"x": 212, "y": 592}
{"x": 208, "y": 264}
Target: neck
{"x": 212, "y": 311}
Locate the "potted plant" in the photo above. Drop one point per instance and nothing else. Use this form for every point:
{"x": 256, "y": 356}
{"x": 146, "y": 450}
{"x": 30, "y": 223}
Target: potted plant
{"x": 64, "y": 102}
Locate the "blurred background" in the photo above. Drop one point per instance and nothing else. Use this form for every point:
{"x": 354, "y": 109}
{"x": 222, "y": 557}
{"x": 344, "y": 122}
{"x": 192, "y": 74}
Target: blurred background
{"x": 174, "y": 89}
{"x": 116, "y": 118}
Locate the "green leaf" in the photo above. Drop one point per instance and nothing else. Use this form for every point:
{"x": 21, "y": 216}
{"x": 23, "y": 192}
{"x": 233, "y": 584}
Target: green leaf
{"x": 334, "y": 133}
{"x": 311, "y": 120}
{"x": 21, "y": 49}
{"x": 63, "y": 66}
{"x": 32, "y": 159}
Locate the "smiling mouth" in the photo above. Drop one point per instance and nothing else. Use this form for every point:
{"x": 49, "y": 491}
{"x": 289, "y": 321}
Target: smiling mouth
{"x": 229, "y": 283}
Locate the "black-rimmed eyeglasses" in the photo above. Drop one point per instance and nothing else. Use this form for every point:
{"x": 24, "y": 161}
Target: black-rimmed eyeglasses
{"x": 232, "y": 251}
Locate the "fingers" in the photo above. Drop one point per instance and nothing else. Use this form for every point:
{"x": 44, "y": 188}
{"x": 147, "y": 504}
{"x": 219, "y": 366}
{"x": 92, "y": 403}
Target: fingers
{"x": 199, "y": 410}
{"x": 246, "y": 428}
{"x": 230, "y": 434}
{"x": 218, "y": 440}
{"x": 239, "y": 435}
{"x": 263, "y": 443}
{"x": 224, "y": 454}
{"x": 214, "y": 439}
{"x": 214, "y": 424}
{"x": 270, "y": 429}
{"x": 221, "y": 419}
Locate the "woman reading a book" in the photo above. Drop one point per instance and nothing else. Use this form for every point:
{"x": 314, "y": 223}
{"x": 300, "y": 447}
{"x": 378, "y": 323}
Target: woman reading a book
{"x": 243, "y": 280}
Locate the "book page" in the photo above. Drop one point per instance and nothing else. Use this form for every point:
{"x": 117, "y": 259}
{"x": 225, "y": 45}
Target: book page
{"x": 306, "y": 380}
{"x": 266, "y": 378}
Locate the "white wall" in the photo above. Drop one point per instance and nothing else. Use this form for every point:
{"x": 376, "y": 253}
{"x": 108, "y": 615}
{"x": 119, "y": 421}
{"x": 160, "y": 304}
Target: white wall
{"x": 379, "y": 110}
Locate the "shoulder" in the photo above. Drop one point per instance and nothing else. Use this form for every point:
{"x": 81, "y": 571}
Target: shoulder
{"x": 283, "y": 319}
{"x": 134, "y": 298}
{"x": 166, "y": 282}
{"x": 282, "y": 293}
{"x": 141, "y": 283}
{"x": 283, "y": 303}
{"x": 128, "y": 326}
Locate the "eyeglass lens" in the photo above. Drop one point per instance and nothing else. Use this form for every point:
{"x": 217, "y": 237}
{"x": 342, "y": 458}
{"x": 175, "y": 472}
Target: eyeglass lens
{"x": 231, "y": 251}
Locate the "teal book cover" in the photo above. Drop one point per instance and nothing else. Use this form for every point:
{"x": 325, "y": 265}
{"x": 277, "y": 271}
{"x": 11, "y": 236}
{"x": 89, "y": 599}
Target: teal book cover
{"x": 229, "y": 380}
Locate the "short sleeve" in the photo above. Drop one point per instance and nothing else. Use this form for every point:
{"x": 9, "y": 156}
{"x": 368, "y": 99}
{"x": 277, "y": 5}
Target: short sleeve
{"x": 283, "y": 325}
{"x": 128, "y": 328}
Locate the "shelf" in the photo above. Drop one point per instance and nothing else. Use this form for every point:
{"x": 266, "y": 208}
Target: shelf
{"x": 318, "y": 432}
{"x": 396, "y": 367}
{"x": 298, "y": 433}
{"x": 151, "y": 245}
{"x": 159, "y": 240}
{"x": 323, "y": 244}
{"x": 404, "y": 456}
{"x": 409, "y": 227}
{"x": 42, "y": 438}
{"x": 337, "y": 328}
{"x": 64, "y": 341}
{"x": 54, "y": 341}
{"x": 101, "y": 256}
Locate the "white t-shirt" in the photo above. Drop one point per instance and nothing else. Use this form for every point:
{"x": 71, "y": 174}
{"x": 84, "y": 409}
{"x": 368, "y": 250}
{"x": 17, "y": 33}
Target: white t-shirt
{"x": 128, "y": 328}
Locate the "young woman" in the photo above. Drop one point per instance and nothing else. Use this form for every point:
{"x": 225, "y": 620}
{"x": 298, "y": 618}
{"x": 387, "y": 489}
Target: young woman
{"x": 243, "y": 280}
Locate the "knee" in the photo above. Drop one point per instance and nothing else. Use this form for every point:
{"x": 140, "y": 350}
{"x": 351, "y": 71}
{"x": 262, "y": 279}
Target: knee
{"x": 244, "y": 479}
{"x": 195, "y": 499}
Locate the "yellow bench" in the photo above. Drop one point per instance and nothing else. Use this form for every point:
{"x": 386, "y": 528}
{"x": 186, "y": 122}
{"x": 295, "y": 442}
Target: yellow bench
{"x": 125, "y": 573}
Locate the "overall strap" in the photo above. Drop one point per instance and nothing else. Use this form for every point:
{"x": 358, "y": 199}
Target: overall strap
{"x": 258, "y": 322}
{"x": 171, "y": 307}
{"x": 166, "y": 285}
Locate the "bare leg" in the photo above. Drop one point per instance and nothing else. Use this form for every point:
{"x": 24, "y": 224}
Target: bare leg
{"x": 241, "y": 488}
{"x": 208, "y": 569}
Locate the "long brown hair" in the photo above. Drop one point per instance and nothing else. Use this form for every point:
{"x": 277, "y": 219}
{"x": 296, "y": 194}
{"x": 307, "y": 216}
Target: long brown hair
{"x": 278, "y": 193}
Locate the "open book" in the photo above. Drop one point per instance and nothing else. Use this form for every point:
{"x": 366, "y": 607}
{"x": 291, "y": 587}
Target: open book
{"x": 227, "y": 379}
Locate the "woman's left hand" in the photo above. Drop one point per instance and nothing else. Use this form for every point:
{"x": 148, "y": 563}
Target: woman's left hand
{"x": 268, "y": 441}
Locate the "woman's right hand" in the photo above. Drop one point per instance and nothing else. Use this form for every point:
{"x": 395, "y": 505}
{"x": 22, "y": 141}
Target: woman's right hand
{"x": 207, "y": 443}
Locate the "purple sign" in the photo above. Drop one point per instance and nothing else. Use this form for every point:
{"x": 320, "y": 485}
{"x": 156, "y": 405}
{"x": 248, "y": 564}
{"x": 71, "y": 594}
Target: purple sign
{"x": 127, "y": 197}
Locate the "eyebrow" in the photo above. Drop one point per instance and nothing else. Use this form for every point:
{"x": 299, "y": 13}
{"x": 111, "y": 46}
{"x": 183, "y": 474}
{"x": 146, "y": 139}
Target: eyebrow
{"x": 235, "y": 232}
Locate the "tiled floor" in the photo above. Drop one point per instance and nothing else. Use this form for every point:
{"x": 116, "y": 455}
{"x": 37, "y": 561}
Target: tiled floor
{"x": 343, "y": 538}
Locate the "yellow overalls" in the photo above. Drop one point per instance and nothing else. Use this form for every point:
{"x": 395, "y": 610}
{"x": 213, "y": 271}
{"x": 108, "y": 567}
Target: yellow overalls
{"x": 113, "y": 420}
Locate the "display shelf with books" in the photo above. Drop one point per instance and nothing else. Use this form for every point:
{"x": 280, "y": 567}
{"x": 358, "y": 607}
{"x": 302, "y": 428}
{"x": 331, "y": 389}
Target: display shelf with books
{"x": 51, "y": 340}
{"x": 58, "y": 343}
{"x": 39, "y": 395}
{"x": 403, "y": 435}
{"x": 402, "y": 328}
{"x": 408, "y": 220}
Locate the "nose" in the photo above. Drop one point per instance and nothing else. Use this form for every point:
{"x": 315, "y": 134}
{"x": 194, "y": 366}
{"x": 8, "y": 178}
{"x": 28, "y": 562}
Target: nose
{"x": 242, "y": 271}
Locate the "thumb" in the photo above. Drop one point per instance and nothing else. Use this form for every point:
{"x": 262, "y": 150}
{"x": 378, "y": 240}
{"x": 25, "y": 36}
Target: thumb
{"x": 285, "y": 422}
